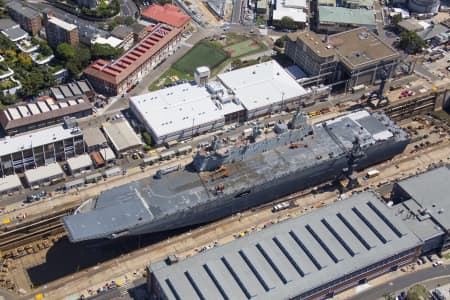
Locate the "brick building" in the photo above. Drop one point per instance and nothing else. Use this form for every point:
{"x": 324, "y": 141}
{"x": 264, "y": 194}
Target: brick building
{"x": 29, "y": 19}
{"x": 59, "y": 31}
{"x": 118, "y": 77}
{"x": 167, "y": 14}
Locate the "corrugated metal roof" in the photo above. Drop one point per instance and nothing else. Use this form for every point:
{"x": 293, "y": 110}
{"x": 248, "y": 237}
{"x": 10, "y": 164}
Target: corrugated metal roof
{"x": 294, "y": 257}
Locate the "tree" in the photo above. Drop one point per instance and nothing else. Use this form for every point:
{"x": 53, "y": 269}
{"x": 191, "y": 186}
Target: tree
{"x": 280, "y": 41}
{"x": 104, "y": 51}
{"x": 25, "y": 59}
{"x": 417, "y": 292}
{"x": 8, "y": 99}
{"x": 396, "y": 19}
{"x": 147, "y": 138}
{"x": 83, "y": 55}
{"x": 45, "y": 48}
{"x": 288, "y": 23}
{"x": 65, "y": 52}
{"x": 411, "y": 42}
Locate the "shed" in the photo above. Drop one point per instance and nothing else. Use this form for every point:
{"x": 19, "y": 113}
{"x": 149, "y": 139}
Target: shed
{"x": 93, "y": 178}
{"x": 94, "y": 139}
{"x": 44, "y": 174}
{"x": 79, "y": 163}
{"x": 121, "y": 136}
{"x": 9, "y": 184}
{"x": 74, "y": 184}
{"x": 112, "y": 172}
{"x": 167, "y": 155}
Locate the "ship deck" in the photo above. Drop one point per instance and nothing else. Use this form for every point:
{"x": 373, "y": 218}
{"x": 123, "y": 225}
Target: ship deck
{"x": 144, "y": 201}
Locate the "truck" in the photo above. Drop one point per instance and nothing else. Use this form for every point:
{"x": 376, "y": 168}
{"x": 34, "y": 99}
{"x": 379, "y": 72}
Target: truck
{"x": 372, "y": 174}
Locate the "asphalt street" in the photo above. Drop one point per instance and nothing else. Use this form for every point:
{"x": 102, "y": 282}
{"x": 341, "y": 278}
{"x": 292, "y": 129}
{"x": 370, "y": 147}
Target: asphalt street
{"x": 430, "y": 276}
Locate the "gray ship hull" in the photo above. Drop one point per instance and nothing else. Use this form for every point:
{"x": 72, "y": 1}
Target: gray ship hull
{"x": 186, "y": 197}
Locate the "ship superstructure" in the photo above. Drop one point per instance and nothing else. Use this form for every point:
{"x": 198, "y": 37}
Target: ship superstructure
{"x": 233, "y": 174}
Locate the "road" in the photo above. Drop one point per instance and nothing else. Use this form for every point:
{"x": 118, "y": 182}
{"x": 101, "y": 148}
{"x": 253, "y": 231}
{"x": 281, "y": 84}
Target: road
{"x": 430, "y": 276}
{"x": 86, "y": 28}
{"x": 237, "y": 11}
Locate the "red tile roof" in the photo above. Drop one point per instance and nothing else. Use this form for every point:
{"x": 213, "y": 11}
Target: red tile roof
{"x": 117, "y": 71}
{"x": 168, "y": 14}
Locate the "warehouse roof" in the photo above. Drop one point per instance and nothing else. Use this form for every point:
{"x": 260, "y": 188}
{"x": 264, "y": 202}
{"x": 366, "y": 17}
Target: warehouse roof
{"x": 40, "y": 174}
{"x": 107, "y": 154}
{"x": 70, "y": 90}
{"x": 410, "y": 25}
{"x": 176, "y": 108}
{"x": 79, "y": 162}
{"x": 430, "y": 190}
{"x": 360, "y": 46}
{"x": 294, "y": 257}
{"x": 296, "y": 14}
{"x": 43, "y": 109}
{"x": 168, "y": 14}
{"x": 262, "y": 85}
{"x": 342, "y": 15}
{"x": 9, "y": 183}
{"x": 38, "y": 138}
{"x": 121, "y": 135}
{"x": 93, "y": 136}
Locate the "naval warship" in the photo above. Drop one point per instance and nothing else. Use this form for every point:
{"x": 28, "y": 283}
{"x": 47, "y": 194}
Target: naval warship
{"x": 236, "y": 173}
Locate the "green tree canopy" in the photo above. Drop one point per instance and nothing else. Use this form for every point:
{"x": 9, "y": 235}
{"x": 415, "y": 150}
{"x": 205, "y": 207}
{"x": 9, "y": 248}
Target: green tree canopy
{"x": 411, "y": 42}
{"x": 396, "y": 19}
{"x": 104, "y": 51}
{"x": 65, "y": 52}
{"x": 287, "y": 23}
{"x": 417, "y": 292}
{"x": 280, "y": 41}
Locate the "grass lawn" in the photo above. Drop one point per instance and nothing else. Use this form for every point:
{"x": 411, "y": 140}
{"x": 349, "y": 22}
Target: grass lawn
{"x": 242, "y": 48}
{"x": 170, "y": 76}
{"x": 203, "y": 54}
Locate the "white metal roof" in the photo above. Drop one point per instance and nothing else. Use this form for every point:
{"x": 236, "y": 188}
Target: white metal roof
{"x": 44, "y": 172}
{"x": 262, "y": 85}
{"x": 79, "y": 162}
{"x": 46, "y": 136}
{"x": 294, "y": 3}
{"x": 176, "y": 108}
{"x": 9, "y": 182}
{"x": 296, "y": 14}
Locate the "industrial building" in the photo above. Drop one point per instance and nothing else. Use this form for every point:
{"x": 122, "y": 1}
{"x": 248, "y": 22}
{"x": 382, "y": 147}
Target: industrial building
{"x": 263, "y": 88}
{"x": 313, "y": 55}
{"x": 356, "y": 56}
{"x": 186, "y": 110}
{"x": 168, "y": 14}
{"x": 312, "y": 256}
{"x": 29, "y": 19}
{"x": 121, "y": 75}
{"x": 59, "y": 31}
{"x": 422, "y": 201}
{"x": 79, "y": 163}
{"x": 363, "y": 57}
{"x": 338, "y": 19}
{"x": 122, "y": 137}
{"x": 42, "y": 113}
{"x": 9, "y": 184}
{"x": 177, "y": 113}
{"x": 43, "y": 175}
{"x": 21, "y": 152}
{"x": 73, "y": 89}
